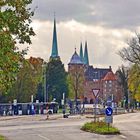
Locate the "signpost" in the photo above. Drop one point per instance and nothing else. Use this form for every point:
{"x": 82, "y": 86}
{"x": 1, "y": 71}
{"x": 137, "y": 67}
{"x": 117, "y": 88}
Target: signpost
{"x": 63, "y": 104}
{"x": 108, "y": 116}
{"x": 108, "y": 111}
{"x": 96, "y": 94}
{"x": 108, "y": 119}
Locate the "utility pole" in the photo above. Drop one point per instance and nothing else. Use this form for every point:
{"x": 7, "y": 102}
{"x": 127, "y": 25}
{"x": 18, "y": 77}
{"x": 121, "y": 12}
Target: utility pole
{"x": 44, "y": 74}
{"x": 47, "y": 93}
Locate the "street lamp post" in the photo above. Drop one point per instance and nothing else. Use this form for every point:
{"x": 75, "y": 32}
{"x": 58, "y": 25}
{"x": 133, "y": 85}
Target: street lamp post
{"x": 47, "y": 95}
{"x": 45, "y": 88}
{"x": 44, "y": 76}
{"x": 64, "y": 105}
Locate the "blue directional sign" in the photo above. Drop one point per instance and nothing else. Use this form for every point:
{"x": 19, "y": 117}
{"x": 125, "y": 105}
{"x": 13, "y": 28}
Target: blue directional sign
{"x": 108, "y": 111}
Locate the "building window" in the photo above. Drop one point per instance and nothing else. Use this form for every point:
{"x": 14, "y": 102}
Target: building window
{"x": 110, "y": 81}
{"x": 110, "y": 85}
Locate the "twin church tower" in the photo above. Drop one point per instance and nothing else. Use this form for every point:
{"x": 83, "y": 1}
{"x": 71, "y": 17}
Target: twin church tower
{"x": 55, "y": 55}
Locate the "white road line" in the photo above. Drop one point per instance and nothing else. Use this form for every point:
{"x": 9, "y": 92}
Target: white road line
{"x": 124, "y": 137}
{"x": 43, "y": 137}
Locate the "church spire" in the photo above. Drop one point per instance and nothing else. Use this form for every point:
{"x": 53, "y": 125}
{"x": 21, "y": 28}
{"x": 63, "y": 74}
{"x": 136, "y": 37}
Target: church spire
{"x": 86, "y": 60}
{"x": 54, "y": 53}
{"x": 81, "y": 53}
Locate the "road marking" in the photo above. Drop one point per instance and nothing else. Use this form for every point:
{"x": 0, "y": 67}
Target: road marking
{"x": 43, "y": 137}
{"x": 124, "y": 137}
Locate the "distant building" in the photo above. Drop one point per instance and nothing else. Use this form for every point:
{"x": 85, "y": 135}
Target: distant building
{"x": 102, "y": 79}
{"x": 90, "y": 78}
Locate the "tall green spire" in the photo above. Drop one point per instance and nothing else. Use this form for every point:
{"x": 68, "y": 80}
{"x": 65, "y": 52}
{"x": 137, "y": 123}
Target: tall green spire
{"x": 54, "y": 53}
{"x": 86, "y": 60}
{"x": 81, "y": 53}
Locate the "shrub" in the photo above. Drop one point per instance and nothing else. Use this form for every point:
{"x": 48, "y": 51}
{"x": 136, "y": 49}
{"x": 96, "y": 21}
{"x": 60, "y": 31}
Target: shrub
{"x": 2, "y": 138}
{"x": 100, "y": 128}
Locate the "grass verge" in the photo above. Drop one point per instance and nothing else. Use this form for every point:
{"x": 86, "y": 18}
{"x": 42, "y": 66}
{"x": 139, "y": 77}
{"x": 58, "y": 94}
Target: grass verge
{"x": 100, "y": 128}
{"x": 2, "y": 138}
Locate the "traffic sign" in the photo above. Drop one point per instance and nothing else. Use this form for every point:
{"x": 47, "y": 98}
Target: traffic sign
{"x": 108, "y": 111}
{"x": 109, "y": 119}
{"x": 95, "y": 92}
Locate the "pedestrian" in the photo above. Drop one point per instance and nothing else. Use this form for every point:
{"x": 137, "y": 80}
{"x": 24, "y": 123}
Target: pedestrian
{"x": 47, "y": 111}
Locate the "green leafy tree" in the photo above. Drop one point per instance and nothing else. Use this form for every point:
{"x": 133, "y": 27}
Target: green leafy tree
{"x": 71, "y": 92}
{"x": 76, "y": 82}
{"x": 28, "y": 79}
{"x": 134, "y": 81}
{"x": 56, "y": 79}
{"x": 15, "y": 19}
{"x": 40, "y": 92}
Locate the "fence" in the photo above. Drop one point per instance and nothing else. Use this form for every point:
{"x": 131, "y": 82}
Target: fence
{"x": 28, "y": 108}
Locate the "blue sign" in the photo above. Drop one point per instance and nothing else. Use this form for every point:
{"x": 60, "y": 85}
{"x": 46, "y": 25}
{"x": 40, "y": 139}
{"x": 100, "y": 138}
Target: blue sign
{"x": 108, "y": 111}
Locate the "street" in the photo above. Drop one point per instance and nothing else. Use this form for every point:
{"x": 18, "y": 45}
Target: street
{"x": 129, "y": 125}
{"x": 38, "y": 128}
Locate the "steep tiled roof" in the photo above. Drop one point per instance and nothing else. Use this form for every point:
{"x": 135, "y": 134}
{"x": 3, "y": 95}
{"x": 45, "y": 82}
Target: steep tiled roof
{"x": 109, "y": 76}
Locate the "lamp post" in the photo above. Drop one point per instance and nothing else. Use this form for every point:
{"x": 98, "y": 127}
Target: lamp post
{"x": 44, "y": 80}
{"x": 47, "y": 93}
{"x": 63, "y": 105}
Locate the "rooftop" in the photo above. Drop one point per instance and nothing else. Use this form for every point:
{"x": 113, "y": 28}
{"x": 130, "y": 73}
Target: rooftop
{"x": 75, "y": 59}
{"x": 109, "y": 76}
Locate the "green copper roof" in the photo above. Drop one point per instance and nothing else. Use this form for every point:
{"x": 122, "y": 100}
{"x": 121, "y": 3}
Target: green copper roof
{"x": 86, "y": 60}
{"x": 54, "y": 53}
{"x": 81, "y": 53}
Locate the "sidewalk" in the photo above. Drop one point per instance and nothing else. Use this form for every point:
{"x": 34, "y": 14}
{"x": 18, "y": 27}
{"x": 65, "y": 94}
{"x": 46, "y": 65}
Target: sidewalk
{"x": 40, "y": 117}
{"x": 31, "y": 117}
{"x": 43, "y": 117}
{"x": 4, "y": 118}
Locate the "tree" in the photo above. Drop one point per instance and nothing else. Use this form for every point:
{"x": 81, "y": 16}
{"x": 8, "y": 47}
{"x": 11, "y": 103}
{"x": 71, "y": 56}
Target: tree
{"x": 71, "y": 92}
{"x": 134, "y": 81}
{"x": 28, "y": 80}
{"x": 15, "y": 19}
{"x": 122, "y": 74}
{"x": 76, "y": 81}
{"x": 56, "y": 79}
{"x": 132, "y": 52}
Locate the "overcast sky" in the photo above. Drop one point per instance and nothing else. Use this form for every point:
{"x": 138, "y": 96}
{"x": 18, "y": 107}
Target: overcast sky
{"x": 105, "y": 24}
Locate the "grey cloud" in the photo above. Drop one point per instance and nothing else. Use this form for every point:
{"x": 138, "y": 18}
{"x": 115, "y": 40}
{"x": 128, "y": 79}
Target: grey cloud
{"x": 65, "y": 9}
{"x": 120, "y": 13}
{"x": 108, "y": 13}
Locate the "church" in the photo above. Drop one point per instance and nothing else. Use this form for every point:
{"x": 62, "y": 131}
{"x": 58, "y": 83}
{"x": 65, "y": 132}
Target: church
{"x": 90, "y": 84}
